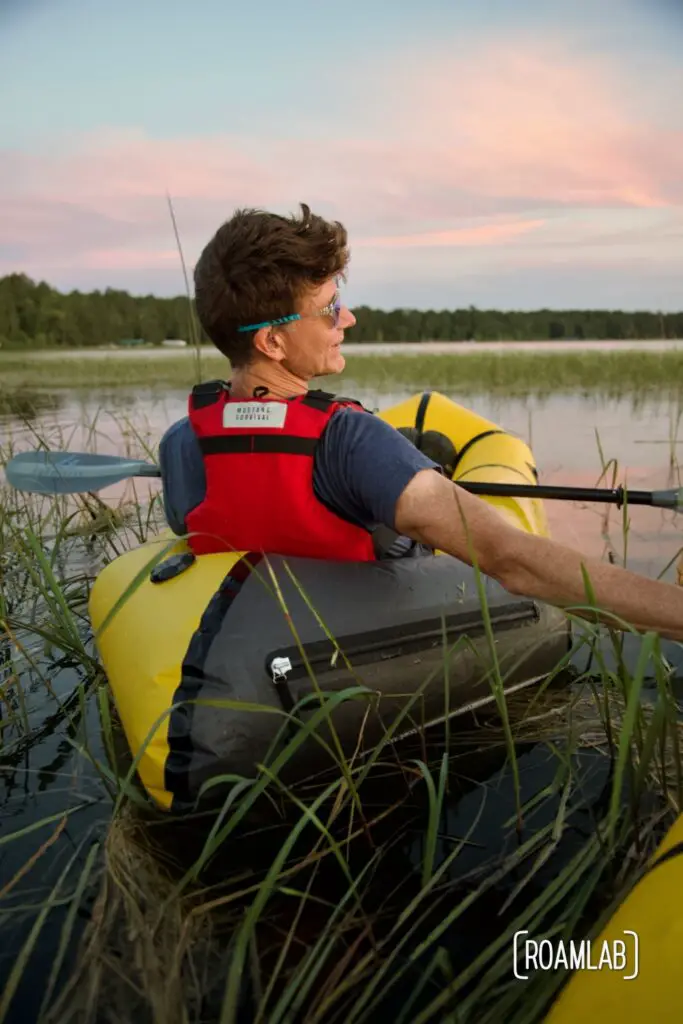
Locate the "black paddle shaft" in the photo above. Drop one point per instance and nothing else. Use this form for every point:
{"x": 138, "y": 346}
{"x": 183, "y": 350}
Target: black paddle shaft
{"x": 613, "y": 496}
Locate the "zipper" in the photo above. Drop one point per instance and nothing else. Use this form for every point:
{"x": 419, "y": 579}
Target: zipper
{"x": 286, "y": 665}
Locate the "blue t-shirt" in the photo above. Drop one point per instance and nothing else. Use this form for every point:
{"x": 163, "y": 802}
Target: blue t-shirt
{"x": 361, "y": 466}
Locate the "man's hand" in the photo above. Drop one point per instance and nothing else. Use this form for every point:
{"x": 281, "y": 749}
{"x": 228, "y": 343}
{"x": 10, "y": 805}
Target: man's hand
{"x": 436, "y": 512}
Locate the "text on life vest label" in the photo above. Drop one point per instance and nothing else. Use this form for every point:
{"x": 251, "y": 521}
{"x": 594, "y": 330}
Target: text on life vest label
{"x": 255, "y": 414}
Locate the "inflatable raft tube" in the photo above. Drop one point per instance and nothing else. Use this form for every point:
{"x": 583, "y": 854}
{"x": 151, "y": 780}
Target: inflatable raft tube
{"x": 208, "y": 659}
{"x": 649, "y": 923}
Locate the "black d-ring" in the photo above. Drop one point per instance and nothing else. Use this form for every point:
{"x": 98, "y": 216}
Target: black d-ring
{"x": 172, "y": 567}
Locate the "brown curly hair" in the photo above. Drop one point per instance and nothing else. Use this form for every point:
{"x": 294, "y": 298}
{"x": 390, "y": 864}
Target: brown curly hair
{"x": 257, "y": 267}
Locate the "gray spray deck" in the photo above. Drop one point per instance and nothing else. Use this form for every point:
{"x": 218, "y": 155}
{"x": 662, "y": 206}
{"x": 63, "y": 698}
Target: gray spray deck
{"x": 388, "y": 618}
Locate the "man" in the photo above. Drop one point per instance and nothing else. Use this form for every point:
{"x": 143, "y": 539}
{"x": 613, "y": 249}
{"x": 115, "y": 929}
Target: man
{"x": 320, "y": 478}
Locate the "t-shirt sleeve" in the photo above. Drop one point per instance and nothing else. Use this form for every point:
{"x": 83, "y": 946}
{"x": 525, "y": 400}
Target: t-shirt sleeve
{"x": 362, "y": 466}
{"x": 183, "y": 478}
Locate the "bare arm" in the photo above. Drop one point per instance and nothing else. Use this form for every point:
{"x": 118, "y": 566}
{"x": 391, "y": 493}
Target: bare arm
{"x": 437, "y": 512}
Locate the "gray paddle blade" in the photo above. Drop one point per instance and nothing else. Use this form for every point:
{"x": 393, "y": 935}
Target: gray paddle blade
{"x": 668, "y": 499}
{"x": 71, "y": 472}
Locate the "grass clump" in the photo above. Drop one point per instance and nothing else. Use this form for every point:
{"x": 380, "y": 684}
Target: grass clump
{"x": 523, "y": 373}
{"x": 515, "y": 373}
{"x": 304, "y": 913}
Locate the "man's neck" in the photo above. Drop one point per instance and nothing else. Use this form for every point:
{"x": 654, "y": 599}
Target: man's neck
{"x": 278, "y": 382}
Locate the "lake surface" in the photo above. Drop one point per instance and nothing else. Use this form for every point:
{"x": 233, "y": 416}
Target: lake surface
{"x": 50, "y": 776}
{"x": 565, "y": 433}
{"x": 390, "y": 348}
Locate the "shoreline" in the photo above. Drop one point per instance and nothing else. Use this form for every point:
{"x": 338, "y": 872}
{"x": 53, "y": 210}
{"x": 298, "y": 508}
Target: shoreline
{"x": 368, "y": 348}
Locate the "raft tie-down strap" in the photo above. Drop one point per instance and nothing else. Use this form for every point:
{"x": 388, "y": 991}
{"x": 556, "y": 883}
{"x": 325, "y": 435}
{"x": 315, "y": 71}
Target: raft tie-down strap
{"x": 471, "y": 443}
{"x": 671, "y": 854}
{"x": 260, "y": 444}
{"x": 192, "y": 678}
{"x": 420, "y": 417}
{"x": 675, "y": 851}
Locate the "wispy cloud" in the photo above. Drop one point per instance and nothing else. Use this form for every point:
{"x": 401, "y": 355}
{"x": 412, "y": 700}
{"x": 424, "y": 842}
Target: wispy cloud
{"x": 484, "y": 234}
{"x": 533, "y": 119}
{"x": 489, "y": 149}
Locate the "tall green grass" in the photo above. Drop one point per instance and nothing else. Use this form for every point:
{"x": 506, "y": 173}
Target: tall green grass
{"x": 347, "y": 897}
{"x": 518, "y": 373}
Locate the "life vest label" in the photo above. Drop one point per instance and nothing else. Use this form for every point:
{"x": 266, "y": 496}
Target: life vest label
{"x": 255, "y": 414}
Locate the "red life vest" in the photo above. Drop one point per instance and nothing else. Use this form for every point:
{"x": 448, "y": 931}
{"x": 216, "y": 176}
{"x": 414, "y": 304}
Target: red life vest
{"x": 258, "y": 460}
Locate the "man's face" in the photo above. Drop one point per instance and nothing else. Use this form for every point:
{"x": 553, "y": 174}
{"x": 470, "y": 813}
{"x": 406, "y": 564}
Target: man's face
{"x": 311, "y": 347}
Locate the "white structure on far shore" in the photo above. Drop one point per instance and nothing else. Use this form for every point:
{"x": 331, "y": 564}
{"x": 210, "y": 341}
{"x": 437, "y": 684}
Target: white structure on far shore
{"x": 174, "y": 343}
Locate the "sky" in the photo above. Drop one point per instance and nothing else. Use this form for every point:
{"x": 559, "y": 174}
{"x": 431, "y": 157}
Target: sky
{"x": 509, "y": 154}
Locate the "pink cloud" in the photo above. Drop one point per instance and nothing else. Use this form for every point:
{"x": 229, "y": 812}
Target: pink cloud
{"x": 120, "y": 259}
{"x": 485, "y": 234}
{"x": 477, "y": 150}
{"x": 530, "y": 119}
{"x": 126, "y": 164}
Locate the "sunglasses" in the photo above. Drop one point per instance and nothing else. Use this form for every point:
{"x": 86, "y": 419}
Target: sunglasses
{"x": 333, "y": 310}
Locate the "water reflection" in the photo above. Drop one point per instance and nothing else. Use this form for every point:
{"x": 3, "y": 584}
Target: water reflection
{"x": 27, "y": 404}
{"x": 638, "y": 437}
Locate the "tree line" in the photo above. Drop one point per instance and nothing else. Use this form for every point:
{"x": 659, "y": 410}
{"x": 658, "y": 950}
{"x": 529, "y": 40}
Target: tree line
{"x": 35, "y": 315}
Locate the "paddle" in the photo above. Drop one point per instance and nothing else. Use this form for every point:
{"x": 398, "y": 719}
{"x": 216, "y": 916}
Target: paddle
{"x": 72, "y": 472}
{"x": 75, "y": 472}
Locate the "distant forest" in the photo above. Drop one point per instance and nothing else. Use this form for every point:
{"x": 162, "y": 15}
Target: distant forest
{"x": 37, "y": 316}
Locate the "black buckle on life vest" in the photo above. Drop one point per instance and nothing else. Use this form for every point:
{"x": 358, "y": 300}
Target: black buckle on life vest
{"x": 321, "y": 400}
{"x": 208, "y": 392}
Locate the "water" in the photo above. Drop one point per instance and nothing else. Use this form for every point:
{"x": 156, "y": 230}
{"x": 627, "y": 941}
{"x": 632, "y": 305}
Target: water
{"x": 390, "y": 348}
{"x": 565, "y": 433}
{"x": 51, "y": 777}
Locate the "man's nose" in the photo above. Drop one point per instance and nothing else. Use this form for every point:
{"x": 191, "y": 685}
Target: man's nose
{"x": 347, "y": 318}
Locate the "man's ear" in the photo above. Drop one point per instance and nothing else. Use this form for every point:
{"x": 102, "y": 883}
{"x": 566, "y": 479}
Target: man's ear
{"x": 268, "y": 341}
